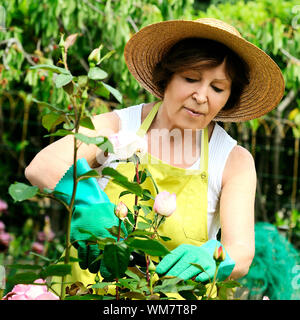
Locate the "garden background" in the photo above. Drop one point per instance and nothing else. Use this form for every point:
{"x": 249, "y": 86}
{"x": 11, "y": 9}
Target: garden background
{"x": 29, "y": 35}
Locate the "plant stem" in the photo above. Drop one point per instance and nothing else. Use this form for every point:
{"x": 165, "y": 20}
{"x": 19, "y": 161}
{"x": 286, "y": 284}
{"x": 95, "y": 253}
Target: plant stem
{"x": 70, "y": 209}
{"x": 117, "y": 291}
{"x": 214, "y": 281}
{"x": 147, "y": 269}
{"x": 119, "y": 230}
{"x": 136, "y": 212}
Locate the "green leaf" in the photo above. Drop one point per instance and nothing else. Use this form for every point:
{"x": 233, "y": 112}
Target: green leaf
{"x": 114, "y": 232}
{"x": 133, "y": 275}
{"x": 149, "y": 246}
{"x": 56, "y": 270}
{"x": 59, "y": 133}
{"x": 40, "y": 256}
{"x": 21, "y": 191}
{"x": 148, "y": 173}
{"x": 87, "y": 123}
{"x": 98, "y": 141}
{"x": 51, "y": 68}
{"x": 51, "y": 120}
{"x": 82, "y": 81}
{"x": 89, "y": 174}
{"x": 147, "y": 195}
{"x": 123, "y": 193}
{"x": 143, "y": 225}
{"x": 101, "y": 90}
{"x": 23, "y": 277}
{"x": 97, "y": 74}
{"x": 142, "y": 176}
{"x": 122, "y": 180}
{"x": 146, "y": 209}
{"x": 229, "y": 284}
{"x": 24, "y": 266}
{"x": 48, "y": 105}
{"x": 116, "y": 258}
{"x": 168, "y": 285}
{"x": 63, "y": 79}
{"x": 141, "y": 233}
{"x": 107, "y": 56}
{"x": 102, "y": 285}
{"x": 114, "y": 92}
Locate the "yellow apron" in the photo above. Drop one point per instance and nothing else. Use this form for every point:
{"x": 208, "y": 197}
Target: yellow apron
{"x": 188, "y": 224}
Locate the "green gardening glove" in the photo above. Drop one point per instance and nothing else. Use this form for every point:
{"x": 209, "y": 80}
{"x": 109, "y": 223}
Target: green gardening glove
{"x": 96, "y": 218}
{"x": 88, "y": 190}
{"x": 178, "y": 262}
{"x": 93, "y": 211}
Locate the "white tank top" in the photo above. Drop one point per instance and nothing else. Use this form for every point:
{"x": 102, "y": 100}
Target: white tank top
{"x": 220, "y": 145}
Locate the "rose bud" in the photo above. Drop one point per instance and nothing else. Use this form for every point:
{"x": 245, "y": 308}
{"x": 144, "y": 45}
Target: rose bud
{"x": 219, "y": 254}
{"x": 94, "y": 56}
{"x": 121, "y": 210}
{"x": 165, "y": 203}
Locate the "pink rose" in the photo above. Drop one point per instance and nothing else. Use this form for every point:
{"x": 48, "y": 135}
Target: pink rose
{"x": 37, "y": 247}
{"x": 121, "y": 210}
{"x": 127, "y": 143}
{"x": 5, "y": 238}
{"x": 31, "y": 292}
{"x": 165, "y": 203}
{"x": 3, "y": 205}
{"x": 2, "y": 227}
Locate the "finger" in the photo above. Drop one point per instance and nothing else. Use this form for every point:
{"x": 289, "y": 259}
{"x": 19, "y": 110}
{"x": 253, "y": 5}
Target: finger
{"x": 182, "y": 265}
{"x": 207, "y": 275}
{"x": 190, "y": 272}
{"x": 170, "y": 260}
{"x": 93, "y": 252}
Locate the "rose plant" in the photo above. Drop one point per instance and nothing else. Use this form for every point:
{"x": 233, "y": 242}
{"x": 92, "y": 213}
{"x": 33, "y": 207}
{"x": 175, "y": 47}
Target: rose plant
{"x": 129, "y": 258}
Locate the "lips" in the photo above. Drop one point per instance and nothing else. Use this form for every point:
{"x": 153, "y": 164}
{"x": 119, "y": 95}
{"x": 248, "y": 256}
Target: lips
{"x": 192, "y": 112}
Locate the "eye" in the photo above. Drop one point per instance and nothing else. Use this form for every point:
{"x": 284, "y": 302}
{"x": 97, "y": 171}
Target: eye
{"x": 217, "y": 89}
{"x": 190, "y": 80}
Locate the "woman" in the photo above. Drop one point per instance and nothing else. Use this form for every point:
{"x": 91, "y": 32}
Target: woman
{"x": 203, "y": 71}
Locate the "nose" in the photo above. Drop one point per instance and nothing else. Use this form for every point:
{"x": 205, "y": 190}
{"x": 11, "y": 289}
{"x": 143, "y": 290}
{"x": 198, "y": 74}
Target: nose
{"x": 200, "y": 95}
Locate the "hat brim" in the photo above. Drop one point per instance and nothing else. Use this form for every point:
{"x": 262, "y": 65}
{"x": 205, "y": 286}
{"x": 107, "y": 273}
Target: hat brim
{"x": 265, "y": 90}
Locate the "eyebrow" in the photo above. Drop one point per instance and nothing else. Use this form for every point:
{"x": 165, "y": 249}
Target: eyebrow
{"x": 222, "y": 80}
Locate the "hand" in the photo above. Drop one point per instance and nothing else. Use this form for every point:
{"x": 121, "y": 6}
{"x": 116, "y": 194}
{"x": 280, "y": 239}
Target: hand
{"x": 95, "y": 218}
{"x": 178, "y": 262}
{"x": 93, "y": 212}
{"x": 88, "y": 190}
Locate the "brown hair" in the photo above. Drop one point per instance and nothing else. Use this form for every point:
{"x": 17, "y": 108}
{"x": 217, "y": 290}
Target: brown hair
{"x": 197, "y": 54}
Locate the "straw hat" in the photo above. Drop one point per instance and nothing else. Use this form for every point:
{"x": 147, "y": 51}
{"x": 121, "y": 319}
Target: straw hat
{"x": 147, "y": 47}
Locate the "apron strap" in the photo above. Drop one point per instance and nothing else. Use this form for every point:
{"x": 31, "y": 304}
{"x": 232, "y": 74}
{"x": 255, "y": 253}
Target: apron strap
{"x": 204, "y": 136}
{"x": 204, "y": 151}
{"x": 148, "y": 120}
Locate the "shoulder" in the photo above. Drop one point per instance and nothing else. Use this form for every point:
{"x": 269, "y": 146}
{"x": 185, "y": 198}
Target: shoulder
{"x": 240, "y": 166}
{"x": 108, "y": 120}
{"x": 112, "y": 120}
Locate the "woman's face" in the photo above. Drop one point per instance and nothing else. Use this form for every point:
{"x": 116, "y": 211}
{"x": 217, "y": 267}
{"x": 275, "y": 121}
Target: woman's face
{"x": 192, "y": 99}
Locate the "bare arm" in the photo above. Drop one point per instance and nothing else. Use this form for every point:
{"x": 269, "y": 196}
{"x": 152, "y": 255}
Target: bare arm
{"x": 237, "y": 209}
{"x": 49, "y": 165}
